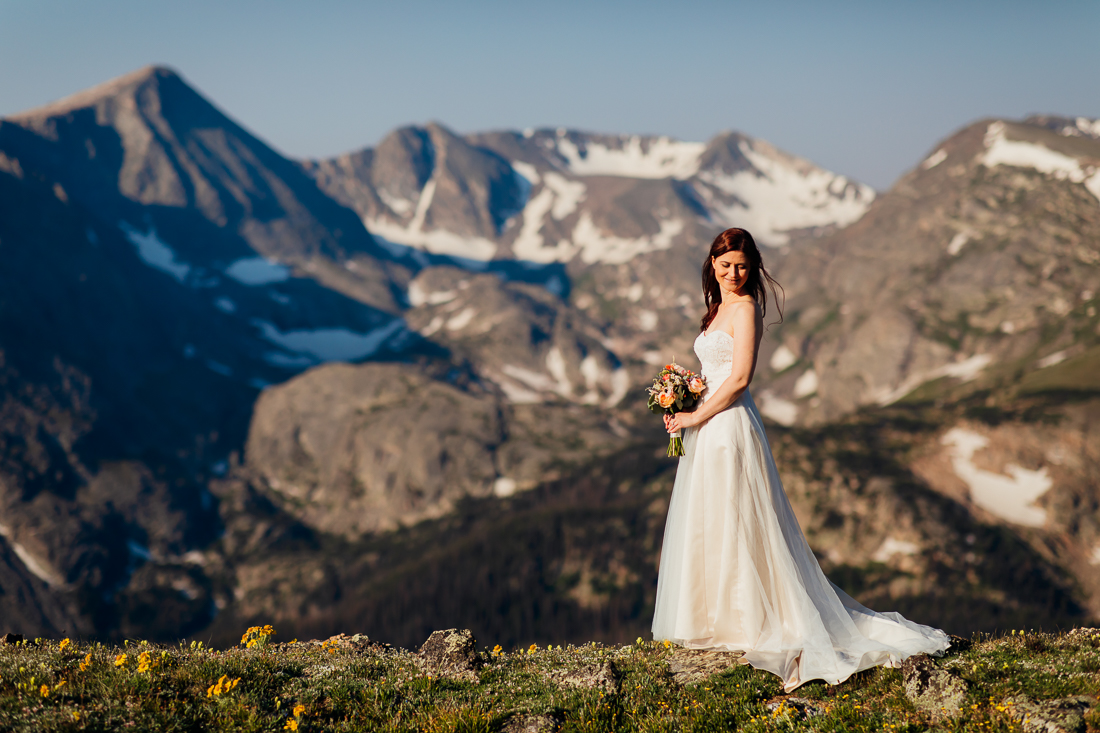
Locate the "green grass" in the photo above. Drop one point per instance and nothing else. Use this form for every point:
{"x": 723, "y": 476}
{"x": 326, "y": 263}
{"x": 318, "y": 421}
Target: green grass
{"x": 43, "y": 688}
{"x": 1078, "y": 374}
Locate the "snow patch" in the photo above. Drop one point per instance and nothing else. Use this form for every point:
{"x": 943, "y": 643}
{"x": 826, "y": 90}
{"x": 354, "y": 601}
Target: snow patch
{"x": 433, "y": 326}
{"x": 778, "y": 409}
{"x": 331, "y": 344}
{"x": 620, "y": 387}
{"x": 225, "y": 305}
{"x": 783, "y": 193}
{"x": 418, "y": 296}
{"x": 257, "y": 271}
{"x": 934, "y": 159}
{"x": 1089, "y": 127}
{"x": 567, "y": 194}
{"x": 966, "y": 370}
{"x": 504, "y": 487}
{"x": 154, "y": 252}
{"x": 1009, "y": 497}
{"x": 590, "y": 370}
{"x": 782, "y": 359}
{"x": 957, "y": 242}
{"x": 559, "y": 198}
{"x": 396, "y": 204}
{"x": 555, "y": 364}
{"x": 806, "y": 384}
{"x": 38, "y": 569}
{"x": 1051, "y": 359}
{"x": 462, "y": 319}
{"x": 596, "y": 246}
{"x": 638, "y": 157}
{"x": 534, "y": 380}
{"x": 1018, "y": 154}
{"x": 527, "y": 171}
{"x": 436, "y": 241}
{"x": 892, "y": 546}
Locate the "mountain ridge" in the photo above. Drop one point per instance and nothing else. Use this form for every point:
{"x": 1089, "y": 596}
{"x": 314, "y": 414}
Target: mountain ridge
{"x": 180, "y": 453}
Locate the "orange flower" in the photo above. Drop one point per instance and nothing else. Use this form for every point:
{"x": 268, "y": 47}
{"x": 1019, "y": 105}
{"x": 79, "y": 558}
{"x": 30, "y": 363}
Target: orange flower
{"x": 665, "y": 399}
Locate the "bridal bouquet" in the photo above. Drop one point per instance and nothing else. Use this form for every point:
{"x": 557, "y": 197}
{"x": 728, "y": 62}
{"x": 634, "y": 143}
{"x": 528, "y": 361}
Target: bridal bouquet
{"x": 675, "y": 389}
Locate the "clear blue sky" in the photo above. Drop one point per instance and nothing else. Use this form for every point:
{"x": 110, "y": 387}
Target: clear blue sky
{"x": 863, "y": 88}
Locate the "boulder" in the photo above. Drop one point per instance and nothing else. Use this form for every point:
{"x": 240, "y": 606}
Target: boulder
{"x": 689, "y": 666}
{"x": 1062, "y": 715}
{"x": 604, "y": 677}
{"x": 931, "y": 688}
{"x": 451, "y": 653}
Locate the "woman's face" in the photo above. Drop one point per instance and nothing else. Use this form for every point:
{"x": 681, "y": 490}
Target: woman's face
{"x": 732, "y": 270}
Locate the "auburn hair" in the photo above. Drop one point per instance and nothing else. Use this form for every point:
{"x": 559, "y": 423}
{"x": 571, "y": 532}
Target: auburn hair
{"x": 737, "y": 240}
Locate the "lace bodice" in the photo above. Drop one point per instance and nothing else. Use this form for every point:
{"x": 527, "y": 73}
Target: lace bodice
{"x": 715, "y": 352}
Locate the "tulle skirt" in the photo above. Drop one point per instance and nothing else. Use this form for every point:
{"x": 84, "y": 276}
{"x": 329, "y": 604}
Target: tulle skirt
{"x": 736, "y": 572}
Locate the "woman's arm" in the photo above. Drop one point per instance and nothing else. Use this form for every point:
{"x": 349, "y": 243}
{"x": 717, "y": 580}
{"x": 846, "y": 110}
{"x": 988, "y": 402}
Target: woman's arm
{"x": 746, "y": 342}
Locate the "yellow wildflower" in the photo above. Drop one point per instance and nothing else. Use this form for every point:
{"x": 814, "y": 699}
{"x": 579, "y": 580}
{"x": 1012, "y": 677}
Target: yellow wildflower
{"x": 257, "y": 635}
{"x": 298, "y": 710}
{"x": 531, "y": 649}
{"x": 120, "y": 660}
{"x": 497, "y": 650}
{"x": 668, "y": 644}
{"x": 44, "y": 691}
{"x": 86, "y": 663}
{"x": 76, "y": 715}
{"x": 64, "y": 643}
{"x": 291, "y": 724}
{"x": 222, "y": 686}
{"x": 145, "y": 663}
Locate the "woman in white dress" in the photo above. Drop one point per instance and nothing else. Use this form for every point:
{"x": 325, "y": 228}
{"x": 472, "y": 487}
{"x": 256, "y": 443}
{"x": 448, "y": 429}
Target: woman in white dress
{"x": 736, "y": 572}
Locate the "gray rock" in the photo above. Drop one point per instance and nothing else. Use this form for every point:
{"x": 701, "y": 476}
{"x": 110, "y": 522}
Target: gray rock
{"x": 451, "y": 653}
{"x": 932, "y": 689}
{"x": 521, "y": 723}
{"x": 1063, "y": 715}
{"x": 694, "y": 665}
{"x": 604, "y": 677}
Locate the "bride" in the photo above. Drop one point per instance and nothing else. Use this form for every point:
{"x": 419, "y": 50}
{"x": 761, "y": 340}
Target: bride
{"x": 736, "y": 572}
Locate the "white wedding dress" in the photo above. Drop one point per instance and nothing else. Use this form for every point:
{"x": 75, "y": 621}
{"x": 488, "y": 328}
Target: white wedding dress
{"x": 736, "y": 572}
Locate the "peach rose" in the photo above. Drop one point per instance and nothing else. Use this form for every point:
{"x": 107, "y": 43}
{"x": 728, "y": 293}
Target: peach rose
{"x": 696, "y": 385}
{"x": 665, "y": 400}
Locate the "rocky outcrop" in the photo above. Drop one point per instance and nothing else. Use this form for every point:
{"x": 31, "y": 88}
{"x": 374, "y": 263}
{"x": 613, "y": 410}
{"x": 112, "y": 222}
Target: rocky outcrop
{"x": 357, "y": 449}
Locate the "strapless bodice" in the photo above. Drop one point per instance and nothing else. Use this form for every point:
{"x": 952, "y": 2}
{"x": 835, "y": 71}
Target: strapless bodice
{"x": 715, "y": 352}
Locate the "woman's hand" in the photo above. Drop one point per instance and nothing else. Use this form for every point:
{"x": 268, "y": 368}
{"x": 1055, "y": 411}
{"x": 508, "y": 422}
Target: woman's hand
{"x": 679, "y": 421}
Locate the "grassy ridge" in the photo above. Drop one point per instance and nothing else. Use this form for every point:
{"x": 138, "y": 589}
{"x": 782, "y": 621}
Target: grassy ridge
{"x": 53, "y": 686}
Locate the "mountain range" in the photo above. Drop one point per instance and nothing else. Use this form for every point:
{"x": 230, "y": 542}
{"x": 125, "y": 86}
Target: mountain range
{"x": 402, "y": 387}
